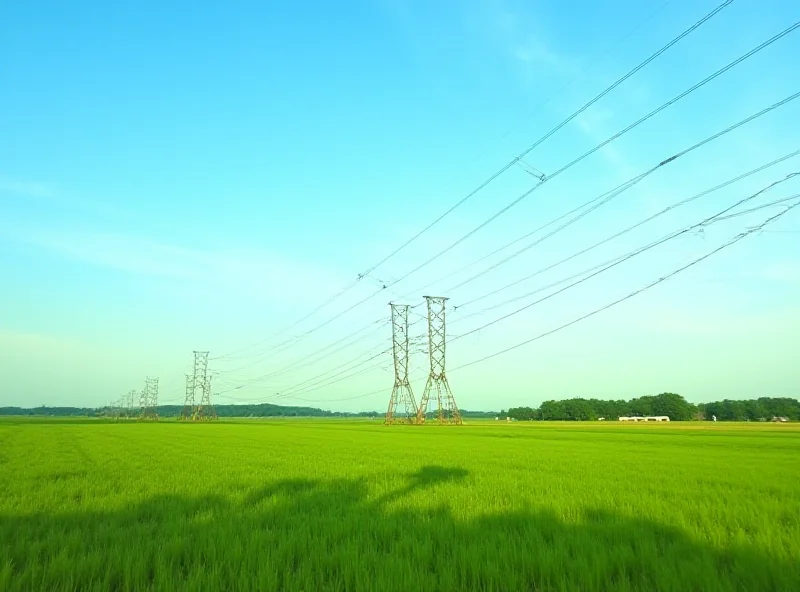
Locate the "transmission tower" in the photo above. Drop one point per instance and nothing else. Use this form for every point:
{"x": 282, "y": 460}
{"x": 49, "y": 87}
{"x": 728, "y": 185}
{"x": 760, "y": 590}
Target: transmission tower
{"x": 148, "y": 401}
{"x": 131, "y": 402}
{"x": 205, "y": 410}
{"x": 402, "y": 395}
{"x": 201, "y": 379}
{"x": 437, "y": 384}
{"x": 188, "y": 405}
{"x": 144, "y": 400}
{"x": 154, "y": 397}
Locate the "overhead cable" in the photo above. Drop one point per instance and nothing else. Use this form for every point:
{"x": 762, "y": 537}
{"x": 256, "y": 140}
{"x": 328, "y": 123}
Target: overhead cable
{"x": 660, "y": 280}
{"x": 630, "y": 255}
{"x": 548, "y": 134}
{"x": 616, "y": 136}
{"x": 640, "y": 223}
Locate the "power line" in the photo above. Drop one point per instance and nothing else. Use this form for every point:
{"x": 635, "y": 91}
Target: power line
{"x": 609, "y": 263}
{"x": 771, "y": 204}
{"x": 548, "y": 134}
{"x": 380, "y": 322}
{"x": 625, "y": 185}
{"x": 616, "y": 136}
{"x": 597, "y": 57}
{"x": 630, "y": 255}
{"x": 290, "y": 392}
{"x": 561, "y": 170}
{"x": 296, "y": 365}
{"x": 295, "y": 323}
{"x": 493, "y": 177}
{"x": 341, "y": 370}
{"x": 312, "y": 388}
{"x": 638, "y": 224}
{"x": 685, "y": 93}
{"x": 732, "y": 241}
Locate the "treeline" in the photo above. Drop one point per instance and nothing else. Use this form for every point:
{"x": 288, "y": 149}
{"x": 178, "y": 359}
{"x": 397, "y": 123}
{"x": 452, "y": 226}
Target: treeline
{"x": 53, "y": 411}
{"x": 672, "y": 405}
{"x": 260, "y": 410}
{"x": 752, "y": 410}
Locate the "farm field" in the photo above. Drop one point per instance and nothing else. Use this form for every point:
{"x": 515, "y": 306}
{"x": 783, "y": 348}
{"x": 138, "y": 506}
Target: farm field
{"x": 353, "y": 505}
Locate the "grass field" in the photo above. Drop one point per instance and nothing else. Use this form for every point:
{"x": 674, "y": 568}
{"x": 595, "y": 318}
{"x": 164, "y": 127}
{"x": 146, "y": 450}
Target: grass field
{"x": 338, "y": 505}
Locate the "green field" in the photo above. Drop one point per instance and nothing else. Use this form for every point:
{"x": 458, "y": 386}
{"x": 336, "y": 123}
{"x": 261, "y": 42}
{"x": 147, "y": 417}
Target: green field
{"x": 341, "y": 505}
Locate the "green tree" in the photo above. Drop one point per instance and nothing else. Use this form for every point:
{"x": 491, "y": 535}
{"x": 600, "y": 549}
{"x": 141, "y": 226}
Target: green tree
{"x": 523, "y": 413}
{"x": 642, "y": 406}
{"x": 553, "y": 411}
{"x": 673, "y": 406}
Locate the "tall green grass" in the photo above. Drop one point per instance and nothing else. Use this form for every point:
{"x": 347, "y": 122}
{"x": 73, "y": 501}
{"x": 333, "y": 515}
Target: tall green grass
{"x": 337, "y": 505}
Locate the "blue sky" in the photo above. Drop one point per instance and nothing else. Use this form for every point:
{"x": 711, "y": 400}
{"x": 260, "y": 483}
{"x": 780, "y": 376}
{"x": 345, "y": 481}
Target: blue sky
{"x": 197, "y": 176}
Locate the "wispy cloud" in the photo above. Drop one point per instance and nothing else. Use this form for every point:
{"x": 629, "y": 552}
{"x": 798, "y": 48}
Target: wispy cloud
{"x": 534, "y": 52}
{"x": 56, "y": 196}
{"x": 782, "y": 271}
{"x": 597, "y": 125}
{"x": 26, "y": 188}
{"x": 234, "y": 269}
{"x": 24, "y": 341}
{"x": 671, "y": 321}
{"x": 519, "y": 34}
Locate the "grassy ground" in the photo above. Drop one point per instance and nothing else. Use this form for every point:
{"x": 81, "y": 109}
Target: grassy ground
{"x": 337, "y": 505}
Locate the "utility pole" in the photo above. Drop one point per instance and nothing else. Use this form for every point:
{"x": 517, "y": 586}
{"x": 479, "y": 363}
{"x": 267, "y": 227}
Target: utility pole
{"x": 447, "y": 411}
{"x": 402, "y": 394}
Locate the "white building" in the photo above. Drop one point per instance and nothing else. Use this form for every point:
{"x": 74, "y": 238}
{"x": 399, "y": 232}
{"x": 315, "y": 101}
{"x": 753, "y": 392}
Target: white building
{"x": 646, "y": 418}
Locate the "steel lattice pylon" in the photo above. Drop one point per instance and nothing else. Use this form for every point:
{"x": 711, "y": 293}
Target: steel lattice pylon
{"x": 148, "y": 401}
{"x": 205, "y": 410}
{"x": 402, "y": 395}
{"x": 143, "y": 400}
{"x": 199, "y": 378}
{"x": 447, "y": 410}
{"x": 188, "y": 405}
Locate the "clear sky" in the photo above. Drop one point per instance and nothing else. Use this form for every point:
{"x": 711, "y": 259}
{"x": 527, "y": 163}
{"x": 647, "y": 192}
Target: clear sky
{"x": 199, "y": 175}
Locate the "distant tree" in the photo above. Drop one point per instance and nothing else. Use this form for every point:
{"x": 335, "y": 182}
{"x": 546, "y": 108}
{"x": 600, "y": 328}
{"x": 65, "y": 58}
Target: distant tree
{"x": 673, "y": 406}
{"x": 553, "y": 411}
{"x": 579, "y": 410}
{"x": 642, "y": 406}
{"x": 755, "y": 410}
{"x": 782, "y": 407}
{"x": 523, "y": 413}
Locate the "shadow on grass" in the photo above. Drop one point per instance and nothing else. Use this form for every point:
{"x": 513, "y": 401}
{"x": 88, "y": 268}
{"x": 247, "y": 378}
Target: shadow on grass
{"x": 304, "y": 534}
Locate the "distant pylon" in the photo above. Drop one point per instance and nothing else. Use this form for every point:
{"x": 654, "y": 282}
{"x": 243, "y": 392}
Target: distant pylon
{"x": 205, "y": 410}
{"x": 437, "y": 380}
{"x": 148, "y": 401}
{"x": 154, "y": 397}
{"x": 402, "y": 395}
{"x": 202, "y": 380}
{"x": 144, "y": 400}
{"x": 131, "y": 402}
{"x": 188, "y": 405}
